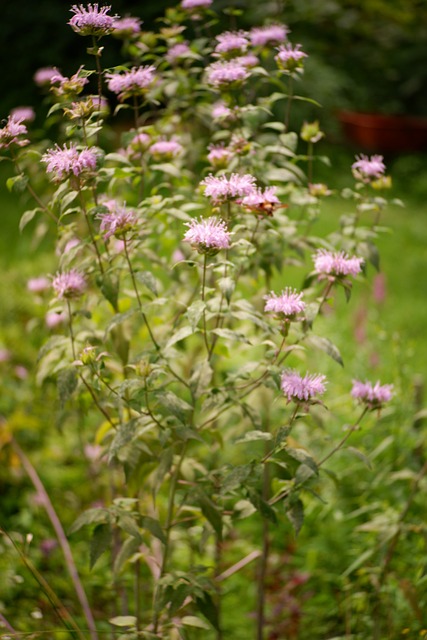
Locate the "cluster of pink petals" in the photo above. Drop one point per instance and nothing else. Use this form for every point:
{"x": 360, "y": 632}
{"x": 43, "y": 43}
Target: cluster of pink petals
{"x": 62, "y": 85}
{"x": 44, "y": 75}
{"x": 117, "y": 221}
{"x": 232, "y": 41}
{"x": 302, "y": 389}
{"x": 372, "y": 395}
{"x": 269, "y": 34}
{"x": 249, "y": 60}
{"x": 195, "y": 4}
{"x": 127, "y": 26}
{"x": 225, "y": 72}
{"x": 221, "y": 188}
{"x": 290, "y": 57}
{"x": 12, "y": 132}
{"x": 220, "y": 111}
{"x": 219, "y": 155}
{"x": 92, "y": 20}
{"x": 289, "y": 303}
{"x": 336, "y": 263}
{"x": 368, "y": 168}
{"x": 69, "y": 284}
{"x": 23, "y": 114}
{"x": 177, "y": 52}
{"x": 166, "y": 148}
{"x": 38, "y": 285}
{"x": 69, "y": 161}
{"x": 210, "y": 233}
{"x": 133, "y": 82}
{"x": 263, "y": 201}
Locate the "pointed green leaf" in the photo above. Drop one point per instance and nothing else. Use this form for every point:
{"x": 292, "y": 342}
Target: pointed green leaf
{"x": 99, "y": 543}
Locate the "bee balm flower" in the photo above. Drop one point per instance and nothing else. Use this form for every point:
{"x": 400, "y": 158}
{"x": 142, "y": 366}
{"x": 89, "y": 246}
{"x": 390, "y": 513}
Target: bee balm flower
{"x": 134, "y": 82}
{"x": 338, "y": 264}
{"x": 290, "y": 58}
{"x": 368, "y": 169}
{"x": 69, "y": 284}
{"x": 287, "y": 305}
{"x": 226, "y": 72}
{"x": 374, "y": 396}
{"x": 302, "y": 389}
{"x": 92, "y": 21}
{"x": 208, "y": 236}
{"x": 221, "y": 188}
{"x": 270, "y": 34}
{"x": 69, "y": 161}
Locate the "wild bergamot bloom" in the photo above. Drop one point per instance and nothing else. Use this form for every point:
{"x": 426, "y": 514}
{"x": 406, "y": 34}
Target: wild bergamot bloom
{"x": 287, "y": 305}
{"x": 195, "y": 4}
{"x": 368, "y": 169}
{"x": 232, "y": 42}
{"x": 126, "y": 27}
{"x": 220, "y": 188}
{"x": 12, "y": 133}
{"x": 208, "y": 236}
{"x": 134, "y": 82}
{"x": 290, "y": 58}
{"x": 374, "y": 396}
{"x": 269, "y": 34}
{"x": 117, "y": 221}
{"x": 263, "y": 202}
{"x": 69, "y": 284}
{"x": 302, "y": 388}
{"x": 336, "y": 264}
{"x": 69, "y": 161}
{"x": 92, "y": 20}
{"x": 226, "y": 72}
{"x": 166, "y": 149}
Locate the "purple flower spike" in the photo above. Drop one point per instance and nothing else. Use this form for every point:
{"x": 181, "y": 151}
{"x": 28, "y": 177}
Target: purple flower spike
{"x": 302, "y": 389}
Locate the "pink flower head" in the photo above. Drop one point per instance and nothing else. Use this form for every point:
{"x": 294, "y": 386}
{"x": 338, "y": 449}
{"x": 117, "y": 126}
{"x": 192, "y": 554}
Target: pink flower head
{"x": 126, "y": 27}
{"x": 225, "y": 72}
{"x": 288, "y": 304}
{"x": 23, "y": 114}
{"x": 232, "y": 42}
{"x": 221, "y": 188}
{"x": 69, "y": 284}
{"x": 368, "y": 169}
{"x": 69, "y": 161}
{"x": 43, "y": 76}
{"x": 219, "y": 156}
{"x": 208, "y": 236}
{"x": 91, "y": 21}
{"x": 338, "y": 264}
{"x": 373, "y": 396}
{"x": 118, "y": 221}
{"x": 177, "y": 52}
{"x": 134, "y": 82}
{"x": 269, "y": 34}
{"x": 195, "y": 4}
{"x": 262, "y": 202}
{"x": 165, "y": 149}
{"x": 220, "y": 111}
{"x": 290, "y": 58}
{"x": 38, "y": 285}
{"x": 302, "y": 389}
{"x": 12, "y": 134}
{"x": 249, "y": 60}
{"x": 61, "y": 85}
{"x": 53, "y": 319}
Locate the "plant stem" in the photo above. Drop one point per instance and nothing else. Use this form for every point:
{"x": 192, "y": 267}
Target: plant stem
{"x": 89, "y": 226}
{"x": 62, "y": 538}
{"x": 339, "y": 446}
{"x": 6, "y": 624}
{"x": 34, "y": 194}
{"x": 209, "y": 349}
{"x": 262, "y": 568}
{"x": 289, "y": 102}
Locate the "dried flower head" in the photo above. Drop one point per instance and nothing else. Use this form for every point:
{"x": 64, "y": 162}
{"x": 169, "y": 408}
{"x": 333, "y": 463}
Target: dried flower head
{"x": 92, "y": 20}
{"x": 287, "y": 305}
{"x": 69, "y": 284}
{"x": 208, "y": 236}
{"x": 336, "y": 264}
{"x": 302, "y": 389}
{"x": 135, "y": 82}
{"x": 374, "y": 396}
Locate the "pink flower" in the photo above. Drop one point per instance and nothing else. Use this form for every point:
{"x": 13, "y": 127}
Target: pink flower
{"x": 248, "y": 61}
{"x": 368, "y": 169}
{"x": 269, "y": 34}
{"x": 91, "y": 21}
{"x": 53, "y": 319}
{"x": 289, "y": 303}
{"x": 327, "y": 263}
{"x": 23, "y": 114}
{"x": 43, "y": 76}
{"x": 61, "y": 85}
{"x": 262, "y": 202}
{"x": 221, "y": 188}
{"x": 195, "y": 4}
{"x": 302, "y": 389}
{"x": 69, "y": 161}
{"x": 208, "y": 235}
{"x": 232, "y": 42}
{"x": 69, "y": 284}
{"x": 219, "y": 156}
{"x": 38, "y": 285}
{"x": 220, "y": 111}
{"x": 134, "y": 82}
{"x": 290, "y": 58}
{"x": 126, "y": 27}
{"x": 117, "y": 221}
{"x": 373, "y": 396}
{"x": 178, "y": 52}
{"x": 225, "y": 72}
{"x": 166, "y": 149}
{"x": 12, "y": 133}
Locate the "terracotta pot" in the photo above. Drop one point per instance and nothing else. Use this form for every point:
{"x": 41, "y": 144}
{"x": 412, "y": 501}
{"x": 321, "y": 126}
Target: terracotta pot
{"x": 384, "y": 133}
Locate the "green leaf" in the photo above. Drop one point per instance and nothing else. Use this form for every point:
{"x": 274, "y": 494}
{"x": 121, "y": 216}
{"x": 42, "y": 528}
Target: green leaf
{"x": 175, "y": 405}
{"x": 27, "y": 217}
{"x": 109, "y": 288}
{"x": 325, "y": 345}
{"x": 304, "y": 473}
{"x": 262, "y": 506}
{"x": 182, "y": 333}
{"x": 147, "y": 278}
{"x": 208, "y": 608}
{"x": 118, "y": 319}
{"x": 252, "y": 436}
{"x": 97, "y": 515}
{"x": 66, "y": 384}
{"x": 195, "y": 312}
{"x": 122, "y": 437}
{"x": 99, "y": 543}
{"x": 201, "y": 378}
{"x": 17, "y": 183}
{"x": 295, "y": 513}
{"x": 123, "y": 621}
{"x": 129, "y": 547}
{"x": 153, "y": 526}
{"x": 361, "y": 456}
{"x": 193, "y": 621}
{"x": 211, "y": 512}
{"x": 227, "y": 286}
{"x": 228, "y": 334}
{"x": 129, "y": 524}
